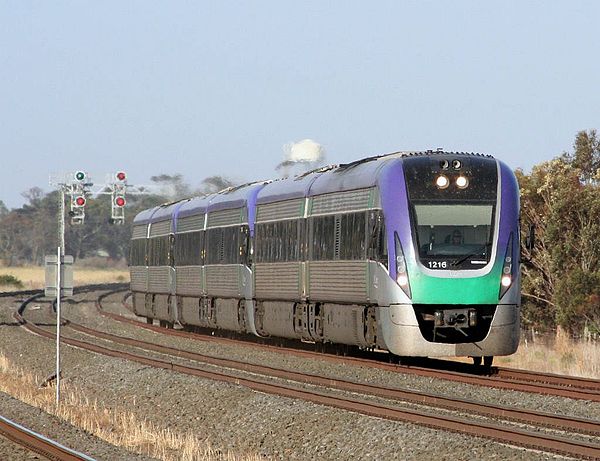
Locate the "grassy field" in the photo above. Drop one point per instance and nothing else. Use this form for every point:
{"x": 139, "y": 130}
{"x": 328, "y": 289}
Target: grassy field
{"x": 117, "y": 427}
{"x": 556, "y": 354}
{"x": 32, "y": 277}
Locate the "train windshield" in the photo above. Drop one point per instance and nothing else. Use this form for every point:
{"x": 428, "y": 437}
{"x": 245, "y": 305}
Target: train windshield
{"x": 454, "y": 236}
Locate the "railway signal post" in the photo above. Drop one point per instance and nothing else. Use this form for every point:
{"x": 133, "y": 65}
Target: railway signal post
{"x": 117, "y": 198}
{"x": 59, "y": 271}
{"x": 78, "y": 187}
{"x": 59, "y": 282}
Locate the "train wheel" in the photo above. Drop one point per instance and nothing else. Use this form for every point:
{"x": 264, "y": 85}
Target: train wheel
{"x": 476, "y": 361}
{"x": 488, "y": 360}
{"x": 394, "y": 359}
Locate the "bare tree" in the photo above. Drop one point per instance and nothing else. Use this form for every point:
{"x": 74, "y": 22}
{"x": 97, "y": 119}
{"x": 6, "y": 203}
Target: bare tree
{"x": 214, "y": 184}
{"x": 173, "y": 186}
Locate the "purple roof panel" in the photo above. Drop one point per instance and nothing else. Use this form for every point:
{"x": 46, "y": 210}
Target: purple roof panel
{"x": 165, "y": 212}
{"x": 359, "y": 176}
{"x": 286, "y": 189}
{"x": 143, "y": 217}
{"x": 195, "y": 206}
{"x": 236, "y": 198}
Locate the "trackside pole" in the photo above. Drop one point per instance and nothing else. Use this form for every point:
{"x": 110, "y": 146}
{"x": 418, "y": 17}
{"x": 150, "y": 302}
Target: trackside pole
{"x": 61, "y": 249}
{"x": 58, "y": 293}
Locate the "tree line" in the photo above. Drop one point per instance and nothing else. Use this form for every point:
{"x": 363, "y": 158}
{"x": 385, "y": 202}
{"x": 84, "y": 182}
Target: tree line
{"x": 29, "y": 233}
{"x": 560, "y": 197}
{"x": 561, "y": 275}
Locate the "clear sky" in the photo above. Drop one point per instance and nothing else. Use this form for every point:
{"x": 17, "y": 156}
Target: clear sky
{"x": 217, "y": 88}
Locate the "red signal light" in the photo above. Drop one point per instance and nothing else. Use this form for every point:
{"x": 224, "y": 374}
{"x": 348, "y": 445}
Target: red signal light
{"x": 120, "y": 201}
{"x": 80, "y": 201}
{"x": 121, "y": 176}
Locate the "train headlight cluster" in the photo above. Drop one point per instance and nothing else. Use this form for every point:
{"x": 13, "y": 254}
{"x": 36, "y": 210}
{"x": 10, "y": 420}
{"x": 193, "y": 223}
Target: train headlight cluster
{"x": 442, "y": 182}
{"x": 401, "y": 271}
{"x": 507, "y": 267}
{"x": 402, "y": 280}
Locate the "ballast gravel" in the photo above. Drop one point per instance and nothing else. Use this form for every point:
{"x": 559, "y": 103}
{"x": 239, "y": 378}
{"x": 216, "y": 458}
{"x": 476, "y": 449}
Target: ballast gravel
{"x": 234, "y": 418}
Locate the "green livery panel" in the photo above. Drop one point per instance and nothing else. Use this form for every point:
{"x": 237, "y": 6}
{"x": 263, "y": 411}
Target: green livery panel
{"x": 427, "y": 289}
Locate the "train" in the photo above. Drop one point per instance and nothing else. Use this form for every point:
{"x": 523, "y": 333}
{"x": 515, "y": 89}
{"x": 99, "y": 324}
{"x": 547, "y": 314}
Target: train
{"x": 414, "y": 253}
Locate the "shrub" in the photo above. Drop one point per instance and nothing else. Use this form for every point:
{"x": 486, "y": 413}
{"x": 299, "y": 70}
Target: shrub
{"x": 578, "y": 297}
{"x": 10, "y": 280}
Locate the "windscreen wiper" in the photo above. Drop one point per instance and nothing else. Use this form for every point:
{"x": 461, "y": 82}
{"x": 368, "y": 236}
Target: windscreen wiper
{"x": 470, "y": 255}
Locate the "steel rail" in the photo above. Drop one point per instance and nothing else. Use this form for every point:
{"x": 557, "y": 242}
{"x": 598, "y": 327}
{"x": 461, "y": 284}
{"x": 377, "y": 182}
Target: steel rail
{"x": 571, "y": 391}
{"x": 513, "y": 374}
{"x": 38, "y": 443}
{"x": 545, "y": 442}
{"x": 36, "y": 294}
{"x": 434, "y": 400}
{"x": 549, "y": 378}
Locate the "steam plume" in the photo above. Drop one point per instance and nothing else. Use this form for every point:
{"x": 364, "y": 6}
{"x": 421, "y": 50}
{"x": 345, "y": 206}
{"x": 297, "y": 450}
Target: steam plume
{"x": 301, "y": 156}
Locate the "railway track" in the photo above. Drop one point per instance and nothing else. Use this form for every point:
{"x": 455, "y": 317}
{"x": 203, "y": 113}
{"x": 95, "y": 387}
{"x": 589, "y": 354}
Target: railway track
{"x": 503, "y": 378}
{"x": 439, "y": 401}
{"x": 322, "y": 395}
{"x": 550, "y": 379}
{"x": 38, "y": 443}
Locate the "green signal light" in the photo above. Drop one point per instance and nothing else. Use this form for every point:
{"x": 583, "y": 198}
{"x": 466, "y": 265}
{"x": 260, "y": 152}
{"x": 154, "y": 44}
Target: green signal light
{"x": 80, "y": 176}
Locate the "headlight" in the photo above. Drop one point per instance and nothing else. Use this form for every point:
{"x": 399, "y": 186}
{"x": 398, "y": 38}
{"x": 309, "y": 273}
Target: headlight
{"x": 401, "y": 272}
{"x": 402, "y": 280}
{"x": 507, "y": 266}
{"x": 442, "y": 182}
{"x": 462, "y": 182}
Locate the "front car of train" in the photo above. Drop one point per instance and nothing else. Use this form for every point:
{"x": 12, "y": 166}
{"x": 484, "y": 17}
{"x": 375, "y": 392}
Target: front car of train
{"x": 453, "y": 242}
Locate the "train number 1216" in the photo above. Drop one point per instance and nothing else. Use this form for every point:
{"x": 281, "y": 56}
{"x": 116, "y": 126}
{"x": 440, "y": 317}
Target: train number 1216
{"x": 437, "y": 264}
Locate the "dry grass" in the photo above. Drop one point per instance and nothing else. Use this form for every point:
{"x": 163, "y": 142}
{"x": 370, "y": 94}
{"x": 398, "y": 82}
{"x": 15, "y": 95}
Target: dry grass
{"x": 117, "y": 427}
{"x": 33, "y": 276}
{"x": 559, "y": 354}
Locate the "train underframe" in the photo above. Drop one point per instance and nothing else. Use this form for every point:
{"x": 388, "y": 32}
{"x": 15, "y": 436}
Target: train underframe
{"x": 401, "y": 329}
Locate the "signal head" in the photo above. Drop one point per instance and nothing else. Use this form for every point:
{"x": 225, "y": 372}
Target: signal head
{"x": 120, "y": 176}
{"x": 120, "y": 201}
{"x": 80, "y": 201}
{"x": 80, "y": 175}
